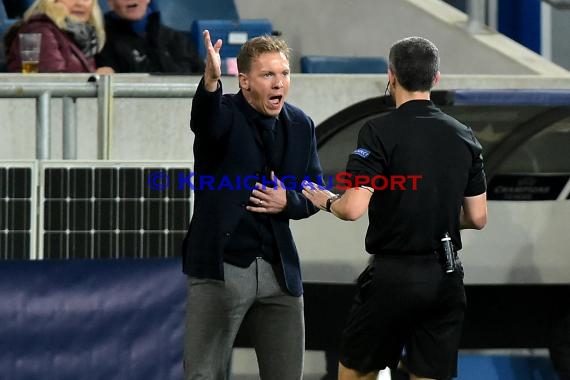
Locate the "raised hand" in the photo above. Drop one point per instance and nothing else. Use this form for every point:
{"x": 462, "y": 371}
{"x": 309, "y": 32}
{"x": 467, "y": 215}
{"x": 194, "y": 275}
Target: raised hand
{"x": 213, "y": 70}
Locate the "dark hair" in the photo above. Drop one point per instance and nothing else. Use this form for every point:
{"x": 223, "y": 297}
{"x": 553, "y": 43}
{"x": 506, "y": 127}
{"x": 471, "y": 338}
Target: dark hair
{"x": 415, "y": 63}
{"x": 257, "y": 46}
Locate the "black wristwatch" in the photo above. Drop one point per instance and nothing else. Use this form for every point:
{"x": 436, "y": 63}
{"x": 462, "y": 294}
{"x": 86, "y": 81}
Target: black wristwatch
{"x": 330, "y": 202}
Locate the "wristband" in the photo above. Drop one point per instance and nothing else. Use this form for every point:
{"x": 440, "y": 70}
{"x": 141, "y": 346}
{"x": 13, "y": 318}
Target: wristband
{"x": 330, "y": 202}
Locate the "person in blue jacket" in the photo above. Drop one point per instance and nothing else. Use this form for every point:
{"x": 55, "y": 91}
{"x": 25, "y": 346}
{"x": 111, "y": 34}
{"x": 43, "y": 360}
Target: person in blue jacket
{"x": 138, "y": 42}
{"x": 252, "y": 150}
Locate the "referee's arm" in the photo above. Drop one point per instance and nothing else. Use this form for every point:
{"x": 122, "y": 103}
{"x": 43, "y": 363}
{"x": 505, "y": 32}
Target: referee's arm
{"x": 350, "y": 206}
{"x": 474, "y": 212}
{"x": 353, "y": 203}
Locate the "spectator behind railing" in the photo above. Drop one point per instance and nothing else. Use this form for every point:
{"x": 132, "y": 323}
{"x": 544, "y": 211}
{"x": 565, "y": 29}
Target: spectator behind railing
{"x": 137, "y": 42}
{"x": 72, "y": 33}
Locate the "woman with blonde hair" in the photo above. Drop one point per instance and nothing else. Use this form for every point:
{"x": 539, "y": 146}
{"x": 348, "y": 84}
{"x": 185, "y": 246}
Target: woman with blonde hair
{"x": 72, "y": 33}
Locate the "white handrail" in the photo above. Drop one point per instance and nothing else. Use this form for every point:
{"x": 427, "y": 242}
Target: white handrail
{"x": 44, "y": 88}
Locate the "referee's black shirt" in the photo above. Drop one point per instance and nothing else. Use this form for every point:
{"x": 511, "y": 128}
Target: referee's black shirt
{"x": 417, "y": 139}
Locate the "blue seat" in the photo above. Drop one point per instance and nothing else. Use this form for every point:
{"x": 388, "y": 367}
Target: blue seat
{"x": 232, "y": 33}
{"x": 180, "y": 14}
{"x": 505, "y": 367}
{"x": 343, "y": 65}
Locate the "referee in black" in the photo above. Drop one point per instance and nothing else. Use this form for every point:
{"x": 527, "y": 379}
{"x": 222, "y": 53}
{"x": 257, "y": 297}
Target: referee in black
{"x": 410, "y": 305}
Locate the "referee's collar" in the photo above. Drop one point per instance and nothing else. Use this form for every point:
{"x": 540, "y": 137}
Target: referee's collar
{"x": 416, "y": 103}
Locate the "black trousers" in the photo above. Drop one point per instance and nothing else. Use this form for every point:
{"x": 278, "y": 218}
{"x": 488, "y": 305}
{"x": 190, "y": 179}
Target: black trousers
{"x": 559, "y": 341}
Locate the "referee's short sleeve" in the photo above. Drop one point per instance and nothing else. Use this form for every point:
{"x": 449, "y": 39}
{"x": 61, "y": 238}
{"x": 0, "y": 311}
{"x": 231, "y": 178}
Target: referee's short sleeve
{"x": 369, "y": 156}
{"x": 477, "y": 183}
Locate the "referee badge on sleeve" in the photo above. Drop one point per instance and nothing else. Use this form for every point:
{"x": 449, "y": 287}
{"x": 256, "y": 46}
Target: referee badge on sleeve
{"x": 362, "y": 152}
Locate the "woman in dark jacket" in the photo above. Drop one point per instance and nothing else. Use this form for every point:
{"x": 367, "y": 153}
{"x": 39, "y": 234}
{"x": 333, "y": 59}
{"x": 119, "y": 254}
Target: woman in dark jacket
{"x": 137, "y": 42}
{"x": 72, "y": 33}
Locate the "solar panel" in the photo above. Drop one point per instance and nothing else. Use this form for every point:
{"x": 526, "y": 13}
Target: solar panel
{"x": 113, "y": 210}
{"x": 17, "y": 204}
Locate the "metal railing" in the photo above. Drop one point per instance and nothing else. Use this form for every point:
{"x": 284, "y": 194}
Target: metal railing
{"x": 101, "y": 87}
{"x": 476, "y": 10}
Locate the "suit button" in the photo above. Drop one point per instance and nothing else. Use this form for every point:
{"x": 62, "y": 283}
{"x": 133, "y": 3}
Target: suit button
{"x": 228, "y": 234}
{"x": 243, "y": 205}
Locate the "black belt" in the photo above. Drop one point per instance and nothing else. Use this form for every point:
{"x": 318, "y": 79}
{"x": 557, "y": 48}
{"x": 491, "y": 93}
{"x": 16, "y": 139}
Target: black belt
{"x": 440, "y": 256}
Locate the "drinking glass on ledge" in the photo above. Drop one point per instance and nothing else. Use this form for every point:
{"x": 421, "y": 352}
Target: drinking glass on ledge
{"x": 30, "y": 44}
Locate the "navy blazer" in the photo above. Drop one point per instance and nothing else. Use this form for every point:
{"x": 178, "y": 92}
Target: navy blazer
{"x": 227, "y": 153}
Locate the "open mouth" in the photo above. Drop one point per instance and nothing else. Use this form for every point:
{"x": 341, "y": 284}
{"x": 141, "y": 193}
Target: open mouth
{"x": 275, "y": 100}
{"x": 132, "y": 6}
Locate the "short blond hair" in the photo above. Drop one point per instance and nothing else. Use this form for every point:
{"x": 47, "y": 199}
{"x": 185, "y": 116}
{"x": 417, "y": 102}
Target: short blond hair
{"x": 58, "y": 12}
{"x": 257, "y": 46}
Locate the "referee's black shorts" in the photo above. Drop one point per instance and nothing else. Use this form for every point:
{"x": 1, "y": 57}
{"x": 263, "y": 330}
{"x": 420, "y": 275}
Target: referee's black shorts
{"x": 407, "y": 308}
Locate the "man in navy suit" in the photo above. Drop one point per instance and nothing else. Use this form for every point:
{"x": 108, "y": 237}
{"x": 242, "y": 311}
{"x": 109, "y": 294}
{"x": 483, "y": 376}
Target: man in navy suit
{"x": 252, "y": 150}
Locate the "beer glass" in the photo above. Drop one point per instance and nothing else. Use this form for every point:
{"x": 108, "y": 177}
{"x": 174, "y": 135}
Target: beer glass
{"x": 30, "y": 44}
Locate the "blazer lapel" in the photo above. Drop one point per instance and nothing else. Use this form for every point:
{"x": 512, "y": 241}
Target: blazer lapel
{"x": 295, "y": 145}
{"x": 250, "y": 115}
